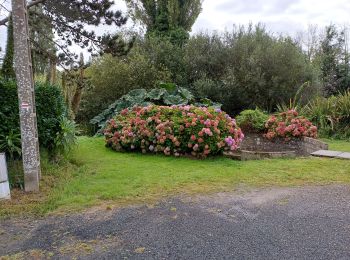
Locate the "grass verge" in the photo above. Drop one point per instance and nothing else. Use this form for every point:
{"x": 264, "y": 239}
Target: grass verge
{"x": 96, "y": 175}
{"x": 338, "y": 145}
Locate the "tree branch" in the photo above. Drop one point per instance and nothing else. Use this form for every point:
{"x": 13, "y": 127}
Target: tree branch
{"x": 29, "y": 5}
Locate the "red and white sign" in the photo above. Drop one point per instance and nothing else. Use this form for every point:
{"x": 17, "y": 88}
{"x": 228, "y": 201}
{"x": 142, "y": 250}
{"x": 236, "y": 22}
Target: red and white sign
{"x": 25, "y": 106}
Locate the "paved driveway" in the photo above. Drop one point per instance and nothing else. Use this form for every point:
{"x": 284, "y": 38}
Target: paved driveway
{"x": 275, "y": 223}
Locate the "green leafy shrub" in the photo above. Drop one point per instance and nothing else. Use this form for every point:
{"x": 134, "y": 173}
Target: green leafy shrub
{"x": 66, "y": 137}
{"x": 50, "y": 108}
{"x": 248, "y": 67}
{"x": 175, "y": 130}
{"x": 252, "y": 120}
{"x": 331, "y": 115}
{"x": 167, "y": 94}
{"x": 112, "y": 77}
{"x": 9, "y": 113}
{"x": 11, "y": 143}
{"x": 244, "y": 68}
{"x": 289, "y": 125}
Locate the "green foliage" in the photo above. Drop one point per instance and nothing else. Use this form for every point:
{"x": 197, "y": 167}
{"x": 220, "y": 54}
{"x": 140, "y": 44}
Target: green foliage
{"x": 11, "y": 143}
{"x": 43, "y": 48}
{"x": 173, "y": 130}
{"x": 242, "y": 69}
{"x": 50, "y": 108}
{"x": 66, "y": 138}
{"x": 164, "y": 55}
{"x": 252, "y": 120}
{"x": 334, "y": 61}
{"x": 9, "y": 114}
{"x": 295, "y": 103}
{"x": 247, "y": 68}
{"x": 113, "y": 77}
{"x": 170, "y": 19}
{"x": 166, "y": 94}
{"x": 7, "y": 69}
{"x": 331, "y": 115}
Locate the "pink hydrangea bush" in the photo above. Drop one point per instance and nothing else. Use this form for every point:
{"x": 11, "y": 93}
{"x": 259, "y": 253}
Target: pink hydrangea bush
{"x": 289, "y": 125}
{"x": 175, "y": 130}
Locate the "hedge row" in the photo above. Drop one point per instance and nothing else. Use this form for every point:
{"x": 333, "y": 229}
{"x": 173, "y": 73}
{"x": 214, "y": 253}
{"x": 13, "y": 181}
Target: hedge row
{"x": 50, "y": 107}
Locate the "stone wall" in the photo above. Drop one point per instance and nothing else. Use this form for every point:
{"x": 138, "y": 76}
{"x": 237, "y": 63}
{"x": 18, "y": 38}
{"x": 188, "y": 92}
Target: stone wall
{"x": 256, "y": 147}
{"x": 256, "y": 142}
{"x": 311, "y": 145}
{"x": 258, "y": 155}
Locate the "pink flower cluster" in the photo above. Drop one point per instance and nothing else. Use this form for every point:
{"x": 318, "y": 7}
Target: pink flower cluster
{"x": 175, "y": 130}
{"x": 289, "y": 125}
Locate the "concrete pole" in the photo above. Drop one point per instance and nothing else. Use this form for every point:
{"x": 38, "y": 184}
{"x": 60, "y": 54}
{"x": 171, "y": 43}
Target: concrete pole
{"x": 4, "y": 181}
{"x": 26, "y": 97}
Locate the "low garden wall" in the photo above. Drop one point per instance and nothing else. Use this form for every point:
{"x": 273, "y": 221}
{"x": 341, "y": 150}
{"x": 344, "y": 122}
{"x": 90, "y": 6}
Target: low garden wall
{"x": 256, "y": 147}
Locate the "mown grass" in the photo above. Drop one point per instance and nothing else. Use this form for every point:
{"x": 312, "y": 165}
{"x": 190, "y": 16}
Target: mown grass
{"x": 97, "y": 175}
{"x": 338, "y": 145}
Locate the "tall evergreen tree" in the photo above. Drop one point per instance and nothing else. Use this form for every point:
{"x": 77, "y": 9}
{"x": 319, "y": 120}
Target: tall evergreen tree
{"x": 166, "y": 18}
{"x": 42, "y": 43}
{"x": 69, "y": 20}
{"x": 335, "y": 66}
{"x": 7, "y": 69}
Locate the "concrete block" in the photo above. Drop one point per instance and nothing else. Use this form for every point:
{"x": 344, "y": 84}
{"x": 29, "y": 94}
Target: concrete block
{"x": 3, "y": 168}
{"x": 4, "y": 184}
{"x": 5, "y": 190}
{"x": 326, "y": 153}
{"x": 343, "y": 156}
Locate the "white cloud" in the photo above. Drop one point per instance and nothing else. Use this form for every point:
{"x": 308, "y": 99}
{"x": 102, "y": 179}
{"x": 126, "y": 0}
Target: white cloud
{"x": 280, "y": 16}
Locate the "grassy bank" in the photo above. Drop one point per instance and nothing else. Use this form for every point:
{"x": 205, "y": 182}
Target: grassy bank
{"x": 97, "y": 175}
{"x": 338, "y": 145}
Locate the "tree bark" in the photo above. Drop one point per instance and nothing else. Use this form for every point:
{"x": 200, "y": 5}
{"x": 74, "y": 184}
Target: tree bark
{"x": 26, "y": 97}
{"x": 80, "y": 86}
{"x": 78, "y": 93}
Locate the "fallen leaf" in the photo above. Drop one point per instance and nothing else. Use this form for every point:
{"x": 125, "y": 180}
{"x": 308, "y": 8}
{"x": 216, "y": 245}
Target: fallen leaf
{"x": 140, "y": 250}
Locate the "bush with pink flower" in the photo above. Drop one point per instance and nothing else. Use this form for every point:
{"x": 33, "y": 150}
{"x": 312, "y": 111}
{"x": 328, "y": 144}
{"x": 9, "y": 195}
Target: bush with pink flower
{"x": 175, "y": 130}
{"x": 289, "y": 125}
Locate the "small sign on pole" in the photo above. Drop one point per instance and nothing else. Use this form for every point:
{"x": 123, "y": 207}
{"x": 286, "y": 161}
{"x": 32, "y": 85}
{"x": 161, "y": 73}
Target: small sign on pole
{"x": 4, "y": 182}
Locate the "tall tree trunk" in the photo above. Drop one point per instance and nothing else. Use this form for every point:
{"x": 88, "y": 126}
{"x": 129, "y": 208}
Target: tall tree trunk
{"x": 76, "y": 100}
{"x": 26, "y": 97}
{"x": 53, "y": 69}
{"x": 80, "y": 86}
{"x": 51, "y": 75}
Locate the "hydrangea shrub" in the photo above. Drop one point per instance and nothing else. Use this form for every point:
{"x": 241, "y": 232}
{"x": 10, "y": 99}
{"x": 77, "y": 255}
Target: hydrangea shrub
{"x": 173, "y": 130}
{"x": 289, "y": 125}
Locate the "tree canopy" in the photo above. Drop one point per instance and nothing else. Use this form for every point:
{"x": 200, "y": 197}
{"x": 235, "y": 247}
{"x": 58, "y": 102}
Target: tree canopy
{"x": 169, "y": 18}
{"x": 73, "y": 21}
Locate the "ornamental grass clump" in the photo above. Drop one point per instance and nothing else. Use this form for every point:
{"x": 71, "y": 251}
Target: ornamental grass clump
{"x": 174, "y": 130}
{"x": 289, "y": 125}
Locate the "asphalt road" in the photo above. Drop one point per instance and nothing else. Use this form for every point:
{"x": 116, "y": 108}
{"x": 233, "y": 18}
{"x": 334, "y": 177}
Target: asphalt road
{"x": 275, "y": 223}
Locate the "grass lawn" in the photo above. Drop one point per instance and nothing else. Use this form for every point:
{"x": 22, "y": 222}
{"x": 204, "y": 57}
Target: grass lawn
{"x": 99, "y": 176}
{"x": 338, "y": 145}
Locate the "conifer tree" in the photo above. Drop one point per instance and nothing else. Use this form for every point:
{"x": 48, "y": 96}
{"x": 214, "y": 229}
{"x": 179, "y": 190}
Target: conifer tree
{"x": 166, "y": 18}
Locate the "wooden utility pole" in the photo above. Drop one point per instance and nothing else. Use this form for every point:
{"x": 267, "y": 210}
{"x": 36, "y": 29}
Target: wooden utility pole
{"x": 26, "y": 97}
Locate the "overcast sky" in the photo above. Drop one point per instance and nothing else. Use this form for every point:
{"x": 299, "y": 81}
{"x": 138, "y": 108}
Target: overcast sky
{"x": 279, "y": 16}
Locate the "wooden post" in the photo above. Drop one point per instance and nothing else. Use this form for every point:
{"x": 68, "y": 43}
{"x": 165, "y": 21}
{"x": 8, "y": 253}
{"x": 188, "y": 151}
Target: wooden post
{"x": 26, "y": 97}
